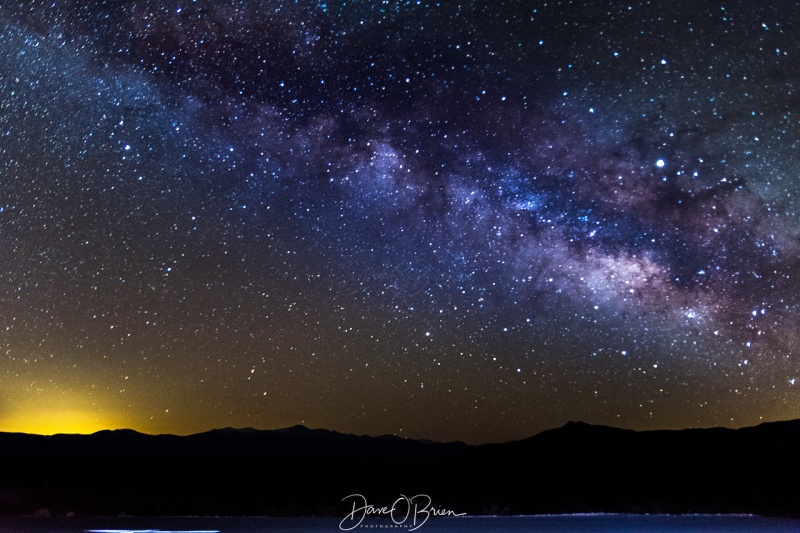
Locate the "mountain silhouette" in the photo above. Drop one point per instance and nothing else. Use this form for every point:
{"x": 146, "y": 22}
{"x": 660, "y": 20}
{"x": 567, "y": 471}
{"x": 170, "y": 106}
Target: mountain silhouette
{"x": 300, "y": 471}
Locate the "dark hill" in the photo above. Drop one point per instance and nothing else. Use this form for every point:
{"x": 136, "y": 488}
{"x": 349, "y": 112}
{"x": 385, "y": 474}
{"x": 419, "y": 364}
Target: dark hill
{"x": 302, "y": 471}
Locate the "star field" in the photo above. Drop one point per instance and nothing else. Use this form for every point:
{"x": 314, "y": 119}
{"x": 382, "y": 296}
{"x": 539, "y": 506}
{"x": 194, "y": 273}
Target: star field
{"x": 463, "y": 221}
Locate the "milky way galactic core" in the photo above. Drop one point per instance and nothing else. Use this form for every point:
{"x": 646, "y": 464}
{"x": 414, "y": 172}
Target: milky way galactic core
{"x": 467, "y": 221}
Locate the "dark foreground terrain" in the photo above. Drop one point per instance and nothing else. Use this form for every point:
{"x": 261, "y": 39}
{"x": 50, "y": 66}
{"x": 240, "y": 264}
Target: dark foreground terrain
{"x": 298, "y": 471}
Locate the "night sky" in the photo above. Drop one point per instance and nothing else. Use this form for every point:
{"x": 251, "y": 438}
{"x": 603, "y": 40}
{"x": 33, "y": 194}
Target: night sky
{"x": 468, "y": 221}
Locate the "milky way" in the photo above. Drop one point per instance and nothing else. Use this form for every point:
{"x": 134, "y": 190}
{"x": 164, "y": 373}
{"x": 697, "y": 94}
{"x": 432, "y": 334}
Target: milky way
{"x": 443, "y": 221}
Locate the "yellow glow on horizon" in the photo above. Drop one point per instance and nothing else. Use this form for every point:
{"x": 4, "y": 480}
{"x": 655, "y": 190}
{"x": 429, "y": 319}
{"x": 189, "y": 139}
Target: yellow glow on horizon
{"x": 47, "y": 410}
{"x": 52, "y": 421}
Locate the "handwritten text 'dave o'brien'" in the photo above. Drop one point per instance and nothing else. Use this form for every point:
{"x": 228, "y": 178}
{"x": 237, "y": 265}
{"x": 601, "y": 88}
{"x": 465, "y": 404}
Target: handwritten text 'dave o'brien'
{"x": 405, "y": 512}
